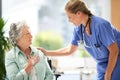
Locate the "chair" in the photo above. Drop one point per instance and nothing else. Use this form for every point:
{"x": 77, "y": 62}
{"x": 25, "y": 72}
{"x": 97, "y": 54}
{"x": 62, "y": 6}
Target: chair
{"x": 57, "y": 74}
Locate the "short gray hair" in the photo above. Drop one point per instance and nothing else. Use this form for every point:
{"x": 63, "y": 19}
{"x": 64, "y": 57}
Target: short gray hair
{"x": 16, "y": 31}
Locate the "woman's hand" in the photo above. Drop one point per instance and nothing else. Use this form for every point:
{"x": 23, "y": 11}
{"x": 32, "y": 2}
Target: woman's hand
{"x": 42, "y": 49}
{"x": 107, "y": 76}
{"x": 31, "y": 62}
{"x": 34, "y": 59}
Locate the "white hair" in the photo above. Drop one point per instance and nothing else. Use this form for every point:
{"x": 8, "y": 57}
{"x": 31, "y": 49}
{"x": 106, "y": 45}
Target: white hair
{"x": 16, "y": 31}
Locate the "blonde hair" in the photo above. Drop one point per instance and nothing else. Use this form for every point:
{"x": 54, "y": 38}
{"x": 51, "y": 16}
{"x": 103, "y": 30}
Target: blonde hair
{"x": 77, "y": 5}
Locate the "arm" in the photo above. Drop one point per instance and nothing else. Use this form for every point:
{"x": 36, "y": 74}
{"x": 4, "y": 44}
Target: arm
{"x": 31, "y": 62}
{"x": 12, "y": 70}
{"x": 60, "y": 52}
{"x": 113, "y": 54}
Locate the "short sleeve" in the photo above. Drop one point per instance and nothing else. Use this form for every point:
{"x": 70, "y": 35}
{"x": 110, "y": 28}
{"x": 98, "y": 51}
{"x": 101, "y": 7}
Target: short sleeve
{"x": 76, "y": 36}
{"x": 106, "y": 34}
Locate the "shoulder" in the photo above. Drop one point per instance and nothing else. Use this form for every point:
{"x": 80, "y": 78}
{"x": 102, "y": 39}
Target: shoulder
{"x": 36, "y": 51}
{"x": 99, "y": 23}
{"x": 10, "y": 57}
{"x": 99, "y": 20}
{"x": 10, "y": 53}
{"x": 40, "y": 53}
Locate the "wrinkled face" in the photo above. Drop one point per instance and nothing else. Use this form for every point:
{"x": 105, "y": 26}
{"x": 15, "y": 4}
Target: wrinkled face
{"x": 26, "y": 37}
{"x": 74, "y": 18}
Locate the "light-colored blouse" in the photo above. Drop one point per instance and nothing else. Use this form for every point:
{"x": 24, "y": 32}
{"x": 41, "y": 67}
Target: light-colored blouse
{"x": 15, "y": 61}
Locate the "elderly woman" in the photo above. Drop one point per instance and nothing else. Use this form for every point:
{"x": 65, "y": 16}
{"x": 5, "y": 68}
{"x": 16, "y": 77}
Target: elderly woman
{"x": 25, "y": 62}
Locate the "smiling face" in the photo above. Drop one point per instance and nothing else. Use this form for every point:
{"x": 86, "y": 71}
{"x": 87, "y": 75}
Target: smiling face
{"x": 76, "y": 11}
{"x": 74, "y": 18}
{"x": 26, "y": 38}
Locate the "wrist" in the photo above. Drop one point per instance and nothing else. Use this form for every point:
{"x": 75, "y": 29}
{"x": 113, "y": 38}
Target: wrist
{"x": 28, "y": 67}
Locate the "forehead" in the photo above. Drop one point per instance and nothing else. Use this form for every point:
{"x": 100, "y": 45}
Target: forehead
{"x": 68, "y": 13}
{"x": 25, "y": 29}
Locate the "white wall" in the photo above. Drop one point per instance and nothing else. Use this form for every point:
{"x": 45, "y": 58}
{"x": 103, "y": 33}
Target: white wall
{"x": 15, "y": 11}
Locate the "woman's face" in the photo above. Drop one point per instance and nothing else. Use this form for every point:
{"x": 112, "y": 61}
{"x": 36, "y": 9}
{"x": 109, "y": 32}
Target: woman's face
{"x": 26, "y": 37}
{"x": 74, "y": 18}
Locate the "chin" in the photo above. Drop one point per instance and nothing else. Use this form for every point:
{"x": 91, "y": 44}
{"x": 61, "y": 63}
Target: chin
{"x": 76, "y": 24}
{"x": 30, "y": 43}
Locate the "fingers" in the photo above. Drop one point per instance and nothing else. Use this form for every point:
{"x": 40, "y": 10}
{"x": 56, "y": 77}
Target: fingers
{"x": 28, "y": 67}
{"x": 42, "y": 49}
{"x": 34, "y": 59}
{"x": 31, "y": 62}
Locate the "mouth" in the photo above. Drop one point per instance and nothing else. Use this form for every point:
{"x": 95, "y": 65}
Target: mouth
{"x": 30, "y": 40}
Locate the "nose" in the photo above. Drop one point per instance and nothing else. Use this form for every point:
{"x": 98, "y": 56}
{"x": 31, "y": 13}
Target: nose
{"x": 70, "y": 20}
{"x": 30, "y": 35}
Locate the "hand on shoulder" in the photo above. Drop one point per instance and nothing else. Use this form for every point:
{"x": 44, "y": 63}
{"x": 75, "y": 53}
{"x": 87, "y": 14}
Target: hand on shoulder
{"x": 42, "y": 50}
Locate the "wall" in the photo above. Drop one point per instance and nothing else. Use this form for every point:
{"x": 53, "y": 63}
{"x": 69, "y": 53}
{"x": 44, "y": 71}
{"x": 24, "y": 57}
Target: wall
{"x": 115, "y": 13}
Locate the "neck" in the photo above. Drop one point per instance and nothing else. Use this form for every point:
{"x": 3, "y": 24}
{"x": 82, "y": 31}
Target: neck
{"x": 85, "y": 20}
{"x": 87, "y": 26}
{"x": 25, "y": 50}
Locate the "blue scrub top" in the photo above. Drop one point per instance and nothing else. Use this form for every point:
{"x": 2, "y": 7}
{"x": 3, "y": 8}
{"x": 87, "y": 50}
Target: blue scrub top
{"x": 102, "y": 35}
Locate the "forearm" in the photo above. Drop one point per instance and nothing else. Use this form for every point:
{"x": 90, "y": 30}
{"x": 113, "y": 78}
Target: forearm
{"x": 28, "y": 68}
{"x": 62, "y": 52}
{"x": 12, "y": 75}
{"x": 111, "y": 62}
{"x": 59, "y": 52}
{"x": 113, "y": 55}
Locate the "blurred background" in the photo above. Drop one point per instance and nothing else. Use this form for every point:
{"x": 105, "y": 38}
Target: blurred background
{"x": 51, "y": 30}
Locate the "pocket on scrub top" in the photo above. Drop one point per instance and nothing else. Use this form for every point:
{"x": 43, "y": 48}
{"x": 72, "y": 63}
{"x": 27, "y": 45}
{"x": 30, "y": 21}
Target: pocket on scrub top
{"x": 102, "y": 52}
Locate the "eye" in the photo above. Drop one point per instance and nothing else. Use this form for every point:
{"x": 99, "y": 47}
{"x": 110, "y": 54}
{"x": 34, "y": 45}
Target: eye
{"x": 69, "y": 17}
{"x": 27, "y": 33}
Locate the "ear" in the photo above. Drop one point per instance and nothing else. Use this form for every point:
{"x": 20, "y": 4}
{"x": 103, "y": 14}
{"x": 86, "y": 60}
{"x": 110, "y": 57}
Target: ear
{"x": 79, "y": 13}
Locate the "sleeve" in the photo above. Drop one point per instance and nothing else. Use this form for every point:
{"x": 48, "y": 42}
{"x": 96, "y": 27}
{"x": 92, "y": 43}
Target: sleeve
{"x": 106, "y": 34}
{"x": 75, "y": 38}
{"x": 48, "y": 74}
{"x": 13, "y": 72}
